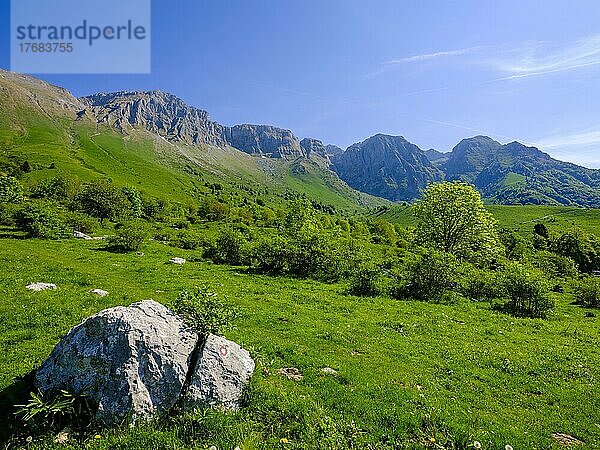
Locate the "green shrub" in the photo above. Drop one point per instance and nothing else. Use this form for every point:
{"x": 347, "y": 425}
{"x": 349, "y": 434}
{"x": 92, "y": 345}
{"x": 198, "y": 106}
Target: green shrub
{"x": 41, "y": 221}
{"x": 427, "y": 276}
{"x": 229, "y": 248}
{"x": 527, "y": 292}
{"x": 128, "y": 237}
{"x": 55, "y": 410}
{"x": 305, "y": 255}
{"x": 10, "y": 190}
{"x": 81, "y": 222}
{"x": 189, "y": 240}
{"x": 556, "y": 266}
{"x": 103, "y": 200}
{"x": 581, "y": 247}
{"x": 483, "y": 285}
{"x": 7, "y": 213}
{"x": 58, "y": 188}
{"x": 587, "y": 292}
{"x": 367, "y": 281}
{"x": 204, "y": 311}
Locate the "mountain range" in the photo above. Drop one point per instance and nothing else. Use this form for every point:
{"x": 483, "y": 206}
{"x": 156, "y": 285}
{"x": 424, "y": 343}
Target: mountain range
{"x": 38, "y": 120}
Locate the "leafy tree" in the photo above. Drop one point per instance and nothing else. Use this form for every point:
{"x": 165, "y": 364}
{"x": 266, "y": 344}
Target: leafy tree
{"x": 383, "y": 232}
{"x": 451, "y": 217}
{"x": 204, "y": 311}
{"x": 428, "y": 276}
{"x": 134, "y": 197}
{"x": 301, "y": 217}
{"x": 41, "y": 221}
{"x": 59, "y": 188}
{"x": 527, "y": 292}
{"x": 587, "y": 292}
{"x": 10, "y": 190}
{"x": 541, "y": 230}
{"x": 128, "y": 237}
{"x": 580, "y": 246}
{"x": 103, "y": 200}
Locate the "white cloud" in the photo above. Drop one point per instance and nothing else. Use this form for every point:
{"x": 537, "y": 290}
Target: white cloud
{"x": 542, "y": 58}
{"x": 585, "y": 139}
{"x": 429, "y": 56}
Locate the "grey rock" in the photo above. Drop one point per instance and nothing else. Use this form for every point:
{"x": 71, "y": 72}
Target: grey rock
{"x": 329, "y": 371}
{"x": 159, "y": 112}
{"x": 99, "y": 292}
{"x": 41, "y": 286}
{"x": 263, "y": 140}
{"x": 220, "y": 375}
{"x": 333, "y": 150}
{"x": 80, "y": 235}
{"x": 314, "y": 147}
{"x": 386, "y": 166}
{"x": 291, "y": 373}
{"x": 177, "y": 260}
{"x": 130, "y": 361}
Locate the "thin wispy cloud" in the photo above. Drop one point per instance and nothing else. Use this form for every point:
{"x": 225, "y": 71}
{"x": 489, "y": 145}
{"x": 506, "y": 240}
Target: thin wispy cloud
{"x": 464, "y": 127}
{"x": 430, "y": 56}
{"x": 544, "y": 58}
{"x": 582, "y": 139}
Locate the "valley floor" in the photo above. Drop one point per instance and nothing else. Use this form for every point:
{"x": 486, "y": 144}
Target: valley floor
{"x": 409, "y": 374}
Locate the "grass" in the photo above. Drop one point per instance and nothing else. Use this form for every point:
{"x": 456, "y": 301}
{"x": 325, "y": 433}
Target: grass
{"x": 410, "y": 374}
{"x": 522, "y": 218}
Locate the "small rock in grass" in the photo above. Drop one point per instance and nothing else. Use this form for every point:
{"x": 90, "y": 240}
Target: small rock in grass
{"x": 99, "y": 292}
{"x": 291, "y": 373}
{"x": 41, "y": 286}
{"x": 80, "y": 235}
{"x": 177, "y": 260}
{"x": 329, "y": 371}
{"x": 566, "y": 440}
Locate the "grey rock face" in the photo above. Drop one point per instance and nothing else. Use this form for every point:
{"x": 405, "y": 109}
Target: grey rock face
{"x": 158, "y": 112}
{"x": 131, "y": 361}
{"x": 263, "y": 140}
{"x": 386, "y": 166}
{"x": 220, "y": 375}
{"x": 333, "y": 150}
{"x": 313, "y": 147}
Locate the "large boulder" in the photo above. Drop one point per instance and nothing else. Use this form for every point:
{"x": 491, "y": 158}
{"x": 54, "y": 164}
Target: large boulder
{"x": 130, "y": 361}
{"x": 219, "y": 376}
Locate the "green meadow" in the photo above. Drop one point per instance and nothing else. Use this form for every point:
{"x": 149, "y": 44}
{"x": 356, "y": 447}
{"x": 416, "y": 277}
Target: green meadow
{"x": 410, "y": 374}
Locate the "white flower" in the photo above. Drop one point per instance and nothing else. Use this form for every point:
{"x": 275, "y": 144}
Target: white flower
{"x": 508, "y": 447}
{"x": 477, "y": 444}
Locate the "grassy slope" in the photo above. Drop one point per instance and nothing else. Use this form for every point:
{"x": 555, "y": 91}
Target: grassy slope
{"x": 146, "y": 161}
{"x": 523, "y": 218}
{"x": 403, "y": 366}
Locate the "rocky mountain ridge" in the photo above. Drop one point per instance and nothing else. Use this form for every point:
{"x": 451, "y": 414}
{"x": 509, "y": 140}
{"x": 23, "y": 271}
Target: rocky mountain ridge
{"x": 385, "y": 166}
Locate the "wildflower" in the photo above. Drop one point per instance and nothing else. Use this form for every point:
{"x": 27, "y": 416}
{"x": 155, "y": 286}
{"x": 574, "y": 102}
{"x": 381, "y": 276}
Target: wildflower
{"x": 508, "y": 447}
{"x": 97, "y": 436}
{"x": 432, "y": 439}
{"x": 29, "y": 439}
{"x": 283, "y": 440}
{"x": 237, "y": 448}
{"x": 213, "y": 447}
{"x": 477, "y": 444}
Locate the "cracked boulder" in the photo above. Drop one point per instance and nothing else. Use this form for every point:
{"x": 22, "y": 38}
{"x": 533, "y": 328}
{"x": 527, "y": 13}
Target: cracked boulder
{"x": 132, "y": 362}
{"x": 219, "y": 376}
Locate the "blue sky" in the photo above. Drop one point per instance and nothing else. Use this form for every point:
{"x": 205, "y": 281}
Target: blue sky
{"x": 342, "y": 70}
